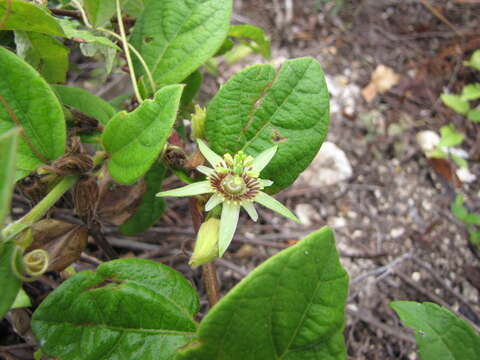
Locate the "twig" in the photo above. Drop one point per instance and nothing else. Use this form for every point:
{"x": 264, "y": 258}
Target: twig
{"x": 383, "y": 270}
{"x": 440, "y": 16}
{"x": 96, "y": 232}
{"x": 63, "y": 12}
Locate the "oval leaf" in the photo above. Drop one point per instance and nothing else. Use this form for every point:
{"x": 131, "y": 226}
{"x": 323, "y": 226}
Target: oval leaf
{"x": 290, "y": 307}
{"x": 9, "y": 283}
{"x": 22, "y": 15}
{"x": 167, "y": 33}
{"x": 258, "y": 108}
{"x": 128, "y": 309}
{"x": 135, "y": 140}
{"x": 151, "y": 207}
{"x": 85, "y": 102}
{"x": 439, "y": 333}
{"x": 27, "y": 101}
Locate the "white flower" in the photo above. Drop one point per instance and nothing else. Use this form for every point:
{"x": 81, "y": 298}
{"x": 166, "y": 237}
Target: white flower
{"x": 234, "y": 183}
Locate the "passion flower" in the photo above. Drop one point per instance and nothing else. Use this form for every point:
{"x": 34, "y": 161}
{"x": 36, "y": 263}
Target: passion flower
{"x": 234, "y": 183}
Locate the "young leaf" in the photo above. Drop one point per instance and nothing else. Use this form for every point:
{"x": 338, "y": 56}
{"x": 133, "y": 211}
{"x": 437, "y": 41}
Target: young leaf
{"x": 85, "y": 102}
{"x": 134, "y": 140}
{"x": 471, "y": 92}
{"x": 462, "y": 214}
{"x": 177, "y": 36}
{"x": 258, "y": 108}
{"x": 8, "y": 149}
{"x": 71, "y": 31}
{"x": 449, "y": 136}
{"x": 21, "y": 300}
{"x": 22, "y": 15}
{"x": 290, "y": 307}
{"x": 474, "y": 115}
{"x": 128, "y": 309}
{"x": 9, "y": 283}
{"x": 151, "y": 207}
{"x": 46, "y": 54}
{"x": 439, "y": 333}
{"x": 456, "y": 103}
{"x": 474, "y": 61}
{"x": 27, "y": 101}
{"x": 260, "y": 44}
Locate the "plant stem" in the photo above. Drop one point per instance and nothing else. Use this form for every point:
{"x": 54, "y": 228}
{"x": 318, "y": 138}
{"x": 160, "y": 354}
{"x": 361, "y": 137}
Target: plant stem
{"x": 127, "y": 52}
{"x": 41, "y": 208}
{"x": 209, "y": 270}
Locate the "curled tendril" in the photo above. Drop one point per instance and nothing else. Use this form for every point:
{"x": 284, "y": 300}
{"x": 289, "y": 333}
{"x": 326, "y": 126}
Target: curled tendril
{"x": 33, "y": 264}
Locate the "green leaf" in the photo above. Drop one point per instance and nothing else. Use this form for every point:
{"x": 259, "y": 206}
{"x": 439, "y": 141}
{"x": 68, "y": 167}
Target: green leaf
{"x": 258, "y": 108}
{"x": 46, "y": 54}
{"x": 27, "y": 101}
{"x": 474, "y": 115}
{"x": 71, "y": 31}
{"x": 449, "y": 136}
{"x": 461, "y": 162}
{"x": 9, "y": 283}
{"x": 177, "y": 36}
{"x": 260, "y": 43}
{"x": 471, "y": 92}
{"x": 8, "y": 149}
{"x": 151, "y": 207}
{"x": 192, "y": 85}
{"x": 22, "y": 300}
{"x": 134, "y": 140}
{"x": 128, "y": 309}
{"x": 85, "y": 102}
{"x": 474, "y": 61}
{"x": 462, "y": 213}
{"x": 22, "y": 15}
{"x": 290, "y": 307}
{"x": 439, "y": 333}
{"x": 456, "y": 103}
{"x": 91, "y": 49}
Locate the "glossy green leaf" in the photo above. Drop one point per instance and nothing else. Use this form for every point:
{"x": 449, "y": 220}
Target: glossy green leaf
{"x": 85, "y": 102}
{"x": 260, "y": 43}
{"x": 290, "y": 307}
{"x": 471, "y": 92}
{"x": 456, "y": 103}
{"x": 258, "y": 108}
{"x": 151, "y": 207}
{"x": 46, "y": 54}
{"x": 22, "y": 15}
{"x": 72, "y": 31}
{"x": 474, "y": 115}
{"x": 134, "y": 140}
{"x": 27, "y": 101}
{"x": 128, "y": 309}
{"x": 175, "y": 37}
{"x": 9, "y": 283}
{"x": 439, "y": 333}
{"x": 449, "y": 136}
{"x": 8, "y": 149}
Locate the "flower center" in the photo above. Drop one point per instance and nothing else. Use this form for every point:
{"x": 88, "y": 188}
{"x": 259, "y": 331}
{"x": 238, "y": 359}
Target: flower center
{"x": 234, "y": 184}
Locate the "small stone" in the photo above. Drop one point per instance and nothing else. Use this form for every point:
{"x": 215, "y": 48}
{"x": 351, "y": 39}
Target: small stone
{"x": 397, "y": 232}
{"x": 428, "y": 140}
{"x": 416, "y": 276}
{"x": 465, "y": 175}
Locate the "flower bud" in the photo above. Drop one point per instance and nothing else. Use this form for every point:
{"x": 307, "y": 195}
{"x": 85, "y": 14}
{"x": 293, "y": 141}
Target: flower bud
{"x": 198, "y": 122}
{"x": 206, "y": 245}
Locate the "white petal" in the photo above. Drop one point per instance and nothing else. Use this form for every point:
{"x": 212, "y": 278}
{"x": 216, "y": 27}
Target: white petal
{"x": 264, "y": 158}
{"x": 250, "y": 208}
{"x": 212, "y": 157}
{"x": 214, "y": 200}
{"x": 197, "y": 188}
{"x": 272, "y": 204}
{"x": 228, "y": 224}
{"x": 265, "y": 183}
{"x": 205, "y": 170}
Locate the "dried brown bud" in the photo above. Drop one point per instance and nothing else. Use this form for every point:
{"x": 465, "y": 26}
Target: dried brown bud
{"x": 85, "y": 198}
{"x": 33, "y": 188}
{"x": 63, "y": 241}
{"x": 117, "y": 203}
{"x": 174, "y": 157}
{"x": 75, "y": 161}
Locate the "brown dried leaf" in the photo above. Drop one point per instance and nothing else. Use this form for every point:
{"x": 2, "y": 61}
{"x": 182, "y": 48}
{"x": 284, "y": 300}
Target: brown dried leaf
{"x": 444, "y": 168}
{"x": 383, "y": 78}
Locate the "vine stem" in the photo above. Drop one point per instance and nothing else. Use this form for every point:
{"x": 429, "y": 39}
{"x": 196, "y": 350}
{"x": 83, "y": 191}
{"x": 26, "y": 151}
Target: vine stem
{"x": 209, "y": 270}
{"x": 127, "y": 52}
{"x": 39, "y": 210}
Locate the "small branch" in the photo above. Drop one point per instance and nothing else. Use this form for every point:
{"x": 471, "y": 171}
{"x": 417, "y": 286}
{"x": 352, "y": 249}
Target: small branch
{"x": 96, "y": 232}
{"x": 69, "y": 13}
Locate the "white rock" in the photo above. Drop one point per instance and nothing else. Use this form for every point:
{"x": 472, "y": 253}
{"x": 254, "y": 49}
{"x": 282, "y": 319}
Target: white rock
{"x": 427, "y": 140}
{"x": 307, "y": 214}
{"x": 329, "y": 167}
{"x": 465, "y": 175}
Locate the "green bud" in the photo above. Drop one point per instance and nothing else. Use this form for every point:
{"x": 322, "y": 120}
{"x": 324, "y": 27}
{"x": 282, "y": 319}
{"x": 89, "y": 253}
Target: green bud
{"x": 206, "y": 245}
{"x": 198, "y": 122}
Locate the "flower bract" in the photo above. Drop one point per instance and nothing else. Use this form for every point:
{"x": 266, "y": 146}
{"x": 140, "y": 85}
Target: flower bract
{"x": 234, "y": 183}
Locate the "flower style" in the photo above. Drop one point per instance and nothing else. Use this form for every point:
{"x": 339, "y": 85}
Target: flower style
{"x": 234, "y": 183}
